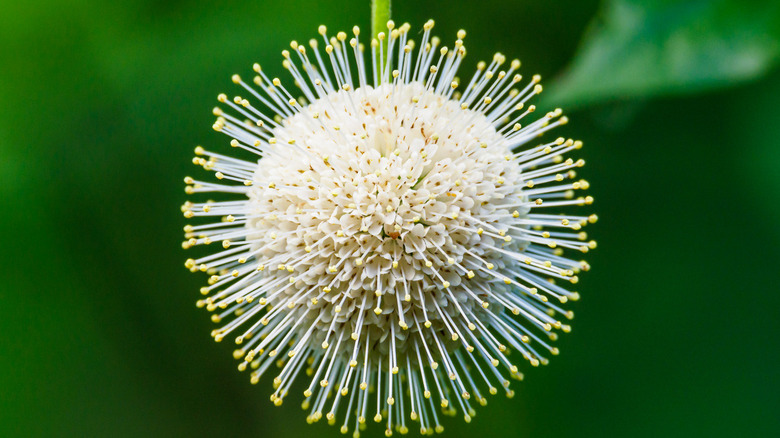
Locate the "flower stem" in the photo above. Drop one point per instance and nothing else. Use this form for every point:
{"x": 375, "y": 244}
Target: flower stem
{"x": 380, "y": 14}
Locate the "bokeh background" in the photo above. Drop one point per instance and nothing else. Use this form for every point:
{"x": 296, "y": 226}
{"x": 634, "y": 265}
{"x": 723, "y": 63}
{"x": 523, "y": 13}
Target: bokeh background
{"x": 102, "y": 102}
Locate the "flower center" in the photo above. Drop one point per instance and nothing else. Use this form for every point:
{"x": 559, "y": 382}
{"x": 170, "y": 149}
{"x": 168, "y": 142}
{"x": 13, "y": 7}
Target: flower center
{"x": 390, "y": 200}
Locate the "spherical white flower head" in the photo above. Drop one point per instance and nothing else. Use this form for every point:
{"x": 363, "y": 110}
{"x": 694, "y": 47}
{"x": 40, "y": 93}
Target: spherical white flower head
{"x": 383, "y": 215}
{"x": 387, "y": 237}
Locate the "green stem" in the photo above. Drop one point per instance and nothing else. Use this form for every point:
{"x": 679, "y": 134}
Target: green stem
{"x": 380, "y": 14}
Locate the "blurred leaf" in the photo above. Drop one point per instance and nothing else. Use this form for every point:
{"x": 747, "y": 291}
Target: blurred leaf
{"x": 760, "y": 155}
{"x": 659, "y": 47}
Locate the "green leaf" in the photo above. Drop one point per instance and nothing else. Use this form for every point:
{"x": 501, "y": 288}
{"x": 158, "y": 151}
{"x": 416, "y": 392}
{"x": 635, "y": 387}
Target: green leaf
{"x": 639, "y": 49}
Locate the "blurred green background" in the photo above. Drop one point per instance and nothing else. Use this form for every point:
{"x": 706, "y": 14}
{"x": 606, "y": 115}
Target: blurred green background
{"x": 677, "y": 103}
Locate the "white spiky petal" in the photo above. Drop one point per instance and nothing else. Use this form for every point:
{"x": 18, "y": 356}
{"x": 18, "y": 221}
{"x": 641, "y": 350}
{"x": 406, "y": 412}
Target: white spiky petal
{"x": 387, "y": 242}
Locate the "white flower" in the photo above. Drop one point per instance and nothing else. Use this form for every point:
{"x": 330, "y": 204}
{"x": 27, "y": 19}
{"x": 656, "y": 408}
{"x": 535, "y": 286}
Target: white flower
{"x": 390, "y": 240}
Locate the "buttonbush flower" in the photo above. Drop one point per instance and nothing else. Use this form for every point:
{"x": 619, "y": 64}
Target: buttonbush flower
{"x": 387, "y": 233}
